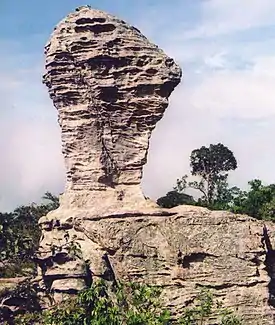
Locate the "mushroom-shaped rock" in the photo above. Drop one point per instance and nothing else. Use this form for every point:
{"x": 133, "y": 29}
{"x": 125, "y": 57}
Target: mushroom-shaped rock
{"x": 110, "y": 86}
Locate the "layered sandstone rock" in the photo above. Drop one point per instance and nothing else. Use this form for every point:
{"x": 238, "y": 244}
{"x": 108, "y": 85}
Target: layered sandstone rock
{"x": 180, "y": 250}
{"x": 110, "y": 86}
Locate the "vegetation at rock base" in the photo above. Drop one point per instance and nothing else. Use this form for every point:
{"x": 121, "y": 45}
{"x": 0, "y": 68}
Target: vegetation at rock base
{"x": 207, "y": 308}
{"x": 211, "y": 166}
{"x": 24, "y": 295}
{"x": 174, "y": 198}
{"x": 129, "y": 304}
{"x": 19, "y": 237}
{"x": 20, "y": 233}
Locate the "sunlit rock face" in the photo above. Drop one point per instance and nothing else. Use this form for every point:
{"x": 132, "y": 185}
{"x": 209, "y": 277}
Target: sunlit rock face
{"x": 110, "y": 86}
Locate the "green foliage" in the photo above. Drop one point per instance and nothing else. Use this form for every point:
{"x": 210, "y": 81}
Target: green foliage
{"x": 267, "y": 211}
{"x": 177, "y": 196}
{"x": 27, "y": 319}
{"x": 127, "y": 304}
{"x": 205, "y": 309}
{"x": 17, "y": 267}
{"x": 181, "y": 184}
{"x": 131, "y": 304}
{"x": 258, "y": 201}
{"x": 23, "y": 295}
{"x": 174, "y": 198}
{"x": 211, "y": 166}
{"x": 225, "y": 197}
{"x": 19, "y": 236}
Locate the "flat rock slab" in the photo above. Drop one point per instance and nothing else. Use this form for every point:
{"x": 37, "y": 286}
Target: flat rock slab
{"x": 181, "y": 252}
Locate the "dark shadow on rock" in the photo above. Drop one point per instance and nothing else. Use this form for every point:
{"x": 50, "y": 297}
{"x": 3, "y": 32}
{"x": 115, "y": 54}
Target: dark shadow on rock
{"x": 269, "y": 266}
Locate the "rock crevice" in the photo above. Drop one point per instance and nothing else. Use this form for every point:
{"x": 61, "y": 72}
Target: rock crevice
{"x": 110, "y": 86}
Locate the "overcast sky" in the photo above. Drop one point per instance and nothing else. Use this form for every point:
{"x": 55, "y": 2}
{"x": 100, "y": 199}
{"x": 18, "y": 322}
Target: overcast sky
{"x": 226, "y": 49}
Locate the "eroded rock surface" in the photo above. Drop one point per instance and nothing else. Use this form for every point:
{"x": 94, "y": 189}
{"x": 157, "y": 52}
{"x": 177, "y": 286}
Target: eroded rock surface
{"x": 110, "y": 86}
{"x": 181, "y": 249}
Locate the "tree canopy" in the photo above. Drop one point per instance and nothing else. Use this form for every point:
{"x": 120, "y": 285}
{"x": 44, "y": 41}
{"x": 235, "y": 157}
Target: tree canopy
{"x": 20, "y": 234}
{"x": 211, "y": 166}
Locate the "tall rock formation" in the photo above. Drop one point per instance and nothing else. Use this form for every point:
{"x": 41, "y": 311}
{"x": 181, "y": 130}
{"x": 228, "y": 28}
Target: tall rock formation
{"x": 110, "y": 86}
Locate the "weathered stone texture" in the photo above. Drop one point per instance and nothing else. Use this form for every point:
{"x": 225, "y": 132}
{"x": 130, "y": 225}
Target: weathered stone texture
{"x": 110, "y": 86}
{"x": 180, "y": 249}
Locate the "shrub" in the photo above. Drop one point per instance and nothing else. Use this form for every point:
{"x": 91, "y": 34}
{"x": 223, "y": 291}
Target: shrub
{"x": 129, "y": 304}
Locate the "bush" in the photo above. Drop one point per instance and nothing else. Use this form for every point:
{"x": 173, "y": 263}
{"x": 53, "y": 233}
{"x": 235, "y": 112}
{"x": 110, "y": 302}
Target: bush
{"x": 205, "y": 309}
{"x": 129, "y": 304}
{"x": 19, "y": 237}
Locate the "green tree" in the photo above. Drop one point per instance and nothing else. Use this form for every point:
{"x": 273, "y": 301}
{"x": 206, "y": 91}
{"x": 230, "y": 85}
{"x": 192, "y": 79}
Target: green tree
{"x": 211, "y": 164}
{"x": 225, "y": 196}
{"x": 20, "y": 234}
{"x": 257, "y": 202}
{"x": 267, "y": 211}
{"x": 177, "y": 196}
{"x": 174, "y": 198}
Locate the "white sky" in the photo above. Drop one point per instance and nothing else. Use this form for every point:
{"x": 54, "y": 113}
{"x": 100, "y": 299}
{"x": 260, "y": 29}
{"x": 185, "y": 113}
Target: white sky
{"x": 227, "y": 51}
